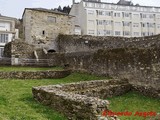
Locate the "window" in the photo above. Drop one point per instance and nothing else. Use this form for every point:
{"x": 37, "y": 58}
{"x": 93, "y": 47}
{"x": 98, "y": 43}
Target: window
{"x": 104, "y": 22}
{"x": 158, "y": 16}
{"x": 151, "y": 16}
{"x": 91, "y": 32}
{"x": 101, "y": 13}
{"x": 91, "y": 22}
{"x": 98, "y": 5}
{"x": 117, "y": 23}
{"x": 43, "y": 32}
{"x": 51, "y": 19}
{"x": 108, "y": 13}
{"x": 100, "y": 32}
{"x": 144, "y": 33}
{"x": 1, "y": 52}
{"x": 136, "y": 16}
{"x": 151, "y": 25}
{"x": 151, "y": 33}
{"x": 126, "y": 15}
{"x": 90, "y": 12}
{"x": 126, "y": 23}
{"x": 117, "y": 14}
{"x": 107, "y": 32}
{"x": 100, "y": 22}
{"x": 126, "y": 33}
{"x": 144, "y": 16}
{"x": 158, "y": 26}
{"x": 135, "y": 24}
{"x": 107, "y": 22}
{"x": 144, "y": 25}
{"x": 3, "y": 38}
{"x": 136, "y": 33}
{"x": 117, "y": 33}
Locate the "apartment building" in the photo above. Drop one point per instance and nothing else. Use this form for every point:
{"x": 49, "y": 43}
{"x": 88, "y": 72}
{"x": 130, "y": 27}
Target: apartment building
{"x": 122, "y": 19}
{"x": 7, "y": 31}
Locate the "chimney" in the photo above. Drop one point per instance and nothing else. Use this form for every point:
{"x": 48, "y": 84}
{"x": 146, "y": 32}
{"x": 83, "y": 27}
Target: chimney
{"x": 73, "y": 1}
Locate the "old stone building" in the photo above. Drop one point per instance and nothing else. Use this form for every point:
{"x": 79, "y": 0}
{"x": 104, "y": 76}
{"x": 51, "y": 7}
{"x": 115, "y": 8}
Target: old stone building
{"x": 42, "y": 26}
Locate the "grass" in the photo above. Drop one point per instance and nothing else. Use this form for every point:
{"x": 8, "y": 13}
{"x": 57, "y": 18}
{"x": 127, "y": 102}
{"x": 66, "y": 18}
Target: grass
{"x": 22, "y": 68}
{"x": 133, "y": 102}
{"x": 17, "y": 103}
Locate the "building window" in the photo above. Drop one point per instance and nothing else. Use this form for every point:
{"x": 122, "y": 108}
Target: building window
{"x": 108, "y": 13}
{"x": 158, "y": 26}
{"x": 136, "y": 34}
{"x": 145, "y": 33}
{"x": 90, "y": 12}
{"x": 158, "y": 16}
{"x": 43, "y": 33}
{"x": 107, "y": 22}
{"x": 51, "y": 19}
{"x": 91, "y": 22}
{"x": 135, "y": 24}
{"x": 1, "y": 52}
{"x": 126, "y": 33}
{"x": 127, "y": 24}
{"x": 101, "y": 13}
{"x": 117, "y": 23}
{"x": 151, "y": 25}
{"x": 117, "y": 33}
{"x": 126, "y": 14}
{"x": 117, "y": 15}
{"x": 136, "y": 16}
{"x": 100, "y": 32}
{"x": 100, "y": 22}
{"x": 91, "y": 32}
{"x": 3, "y": 38}
{"x": 98, "y": 5}
{"x": 144, "y": 25}
{"x": 107, "y": 32}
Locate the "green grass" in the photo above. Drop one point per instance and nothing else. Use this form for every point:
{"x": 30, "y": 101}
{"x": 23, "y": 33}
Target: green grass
{"x": 17, "y": 103}
{"x": 19, "y": 68}
{"x": 134, "y": 102}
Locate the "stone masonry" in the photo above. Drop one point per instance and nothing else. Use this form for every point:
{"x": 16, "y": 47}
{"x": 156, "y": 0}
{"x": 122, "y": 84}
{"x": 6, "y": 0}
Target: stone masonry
{"x": 42, "y": 26}
{"x": 81, "y": 101}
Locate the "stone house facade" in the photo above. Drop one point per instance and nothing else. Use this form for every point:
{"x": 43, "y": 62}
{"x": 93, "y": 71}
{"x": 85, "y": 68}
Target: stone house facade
{"x": 41, "y": 27}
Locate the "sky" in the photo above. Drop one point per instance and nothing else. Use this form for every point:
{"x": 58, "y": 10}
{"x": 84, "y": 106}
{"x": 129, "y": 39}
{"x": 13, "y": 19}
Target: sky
{"x": 15, "y": 8}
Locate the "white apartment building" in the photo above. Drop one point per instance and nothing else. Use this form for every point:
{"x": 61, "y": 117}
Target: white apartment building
{"x": 122, "y": 19}
{"x": 7, "y": 31}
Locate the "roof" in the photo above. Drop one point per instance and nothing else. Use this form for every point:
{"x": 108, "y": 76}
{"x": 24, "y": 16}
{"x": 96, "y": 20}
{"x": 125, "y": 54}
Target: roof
{"x": 47, "y": 10}
{"x": 124, "y": 2}
{"x": 137, "y": 5}
{"x": 6, "y": 17}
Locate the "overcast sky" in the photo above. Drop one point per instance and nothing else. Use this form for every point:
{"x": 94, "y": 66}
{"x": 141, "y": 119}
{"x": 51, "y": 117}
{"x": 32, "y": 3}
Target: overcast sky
{"x": 15, "y": 8}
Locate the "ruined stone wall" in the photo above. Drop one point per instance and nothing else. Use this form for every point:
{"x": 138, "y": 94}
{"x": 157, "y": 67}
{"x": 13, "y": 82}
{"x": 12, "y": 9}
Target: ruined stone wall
{"x": 139, "y": 66}
{"x": 34, "y": 74}
{"x": 19, "y": 48}
{"x": 42, "y": 32}
{"x": 81, "y": 101}
{"x": 73, "y": 43}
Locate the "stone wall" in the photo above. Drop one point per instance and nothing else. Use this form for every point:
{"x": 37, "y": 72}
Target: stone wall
{"x": 34, "y": 74}
{"x": 139, "y": 66}
{"x": 81, "y": 101}
{"x": 19, "y": 48}
{"x": 73, "y": 43}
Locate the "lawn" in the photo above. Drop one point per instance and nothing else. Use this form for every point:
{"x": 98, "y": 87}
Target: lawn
{"x": 134, "y": 102}
{"x": 19, "y": 68}
{"x": 17, "y": 103}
